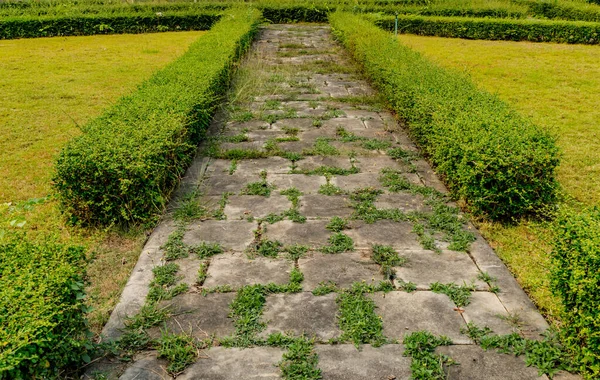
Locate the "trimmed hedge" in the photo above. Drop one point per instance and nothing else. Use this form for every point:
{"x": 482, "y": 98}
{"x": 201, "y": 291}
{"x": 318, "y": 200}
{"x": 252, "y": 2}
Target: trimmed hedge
{"x": 501, "y": 164}
{"x": 576, "y": 280}
{"x": 289, "y": 14}
{"x": 124, "y": 166}
{"x": 42, "y": 313}
{"x": 572, "y": 32}
{"x": 30, "y": 27}
{"x": 565, "y": 11}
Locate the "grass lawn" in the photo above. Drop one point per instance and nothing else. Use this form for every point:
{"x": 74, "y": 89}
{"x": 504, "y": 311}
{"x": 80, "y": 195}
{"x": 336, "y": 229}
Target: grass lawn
{"x": 558, "y": 86}
{"x": 49, "y": 86}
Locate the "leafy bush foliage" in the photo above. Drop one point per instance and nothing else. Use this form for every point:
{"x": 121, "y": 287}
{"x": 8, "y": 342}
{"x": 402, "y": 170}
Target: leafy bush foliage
{"x": 576, "y": 280}
{"x": 124, "y": 166}
{"x": 30, "y": 27}
{"x": 498, "y": 162}
{"x": 294, "y": 13}
{"x": 573, "y": 32}
{"x": 42, "y": 314}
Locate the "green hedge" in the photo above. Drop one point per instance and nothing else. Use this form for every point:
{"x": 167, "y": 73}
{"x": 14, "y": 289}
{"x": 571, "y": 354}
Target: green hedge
{"x": 564, "y": 10}
{"x": 124, "y": 166}
{"x": 497, "y": 29}
{"x": 42, "y": 315}
{"x": 30, "y": 27}
{"x": 576, "y": 280}
{"x": 289, "y": 14}
{"x": 498, "y": 162}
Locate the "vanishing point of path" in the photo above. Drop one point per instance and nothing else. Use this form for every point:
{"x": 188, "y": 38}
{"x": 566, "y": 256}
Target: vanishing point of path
{"x": 307, "y": 187}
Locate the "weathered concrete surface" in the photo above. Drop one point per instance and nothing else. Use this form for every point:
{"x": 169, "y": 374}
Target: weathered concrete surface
{"x": 312, "y": 233}
{"x": 476, "y": 364}
{"x": 233, "y": 235}
{"x": 237, "y": 270}
{"x": 302, "y": 313}
{"x": 486, "y": 309}
{"x": 147, "y": 366}
{"x": 234, "y": 363}
{"x": 257, "y": 206}
{"x": 343, "y": 269}
{"x": 450, "y": 266}
{"x": 346, "y": 362}
{"x": 398, "y": 235}
{"x": 197, "y": 315}
{"x": 404, "y": 313}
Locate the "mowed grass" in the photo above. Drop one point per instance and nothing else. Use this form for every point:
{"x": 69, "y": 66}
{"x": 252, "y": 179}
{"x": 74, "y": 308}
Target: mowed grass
{"x": 49, "y": 87}
{"x": 558, "y": 86}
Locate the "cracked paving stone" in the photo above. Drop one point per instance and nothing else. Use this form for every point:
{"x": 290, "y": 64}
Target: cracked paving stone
{"x": 396, "y": 234}
{"x": 312, "y": 233}
{"x": 323, "y": 206}
{"x": 486, "y": 310}
{"x": 244, "y": 206}
{"x": 233, "y": 235}
{"x": 346, "y": 362}
{"x": 147, "y": 366}
{"x": 476, "y": 364}
{"x": 343, "y": 269}
{"x": 197, "y": 315}
{"x": 219, "y": 363}
{"x": 450, "y": 266}
{"x": 403, "y": 313}
{"x": 237, "y": 270}
{"x": 302, "y": 313}
{"x": 307, "y": 184}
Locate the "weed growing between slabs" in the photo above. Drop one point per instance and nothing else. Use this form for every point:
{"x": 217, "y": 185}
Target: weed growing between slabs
{"x": 262, "y": 187}
{"x": 387, "y": 258}
{"x": 459, "y": 294}
{"x": 425, "y": 363}
{"x": 547, "y": 355}
{"x": 293, "y": 214}
{"x": 357, "y": 318}
{"x": 338, "y": 243}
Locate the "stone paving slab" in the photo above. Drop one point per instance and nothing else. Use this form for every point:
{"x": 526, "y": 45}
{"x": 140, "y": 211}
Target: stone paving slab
{"x": 477, "y": 364}
{"x": 244, "y": 206}
{"x": 486, "y": 310}
{"x": 343, "y": 269}
{"x": 302, "y": 313}
{"x": 306, "y": 184}
{"x": 403, "y": 313}
{"x": 358, "y": 181}
{"x": 147, "y": 366}
{"x": 271, "y": 165}
{"x": 403, "y": 201}
{"x": 346, "y": 362}
{"x": 312, "y": 233}
{"x": 323, "y": 206}
{"x": 200, "y": 316}
{"x": 237, "y": 270}
{"x": 235, "y": 364}
{"x": 396, "y": 234}
{"x": 451, "y": 267}
{"x": 230, "y": 234}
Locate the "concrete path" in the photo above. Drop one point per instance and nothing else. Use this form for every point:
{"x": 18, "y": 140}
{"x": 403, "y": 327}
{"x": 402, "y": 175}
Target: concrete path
{"x": 307, "y": 186}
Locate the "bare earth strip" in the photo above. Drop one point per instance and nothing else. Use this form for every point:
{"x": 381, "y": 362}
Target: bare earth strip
{"x": 302, "y": 141}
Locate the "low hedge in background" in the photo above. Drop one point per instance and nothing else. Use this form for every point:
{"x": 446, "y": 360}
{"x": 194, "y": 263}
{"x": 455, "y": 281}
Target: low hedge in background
{"x": 30, "y": 27}
{"x": 42, "y": 314}
{"x": 294, "y": 13}
{"x": 564, "y": 10}
{"x": 124, "y": 166}
{"x": 576, "y": 280}
{"x": 501, "y": 164}
{"x": 572, "y": 32}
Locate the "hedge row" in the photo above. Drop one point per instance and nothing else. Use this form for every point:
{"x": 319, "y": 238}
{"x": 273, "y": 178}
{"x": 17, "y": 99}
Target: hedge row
{"x": 497, "y": 29}
{"x": 299, "y": 13}
{"x": 30, "y": 27}
{"x": 124, "y": 166}
{"x": 42, "y": 315}
{"x": 501, "y": 164}
{"x": 564, "y": 10}
{"x": 576, "y": 280}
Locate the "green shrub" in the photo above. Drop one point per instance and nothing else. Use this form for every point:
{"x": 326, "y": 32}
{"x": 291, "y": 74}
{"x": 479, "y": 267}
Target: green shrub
{"x": 124, "y": 166}
{"x": 565, "y": 10}
{"x": 576, "y": 280}
{"x": 30, "y": 27}
{"x": 294, "y": 13}
{"x": 573, "y": 32}
{"x": 498, "y": 162}
{"x": 42, "y": 315}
